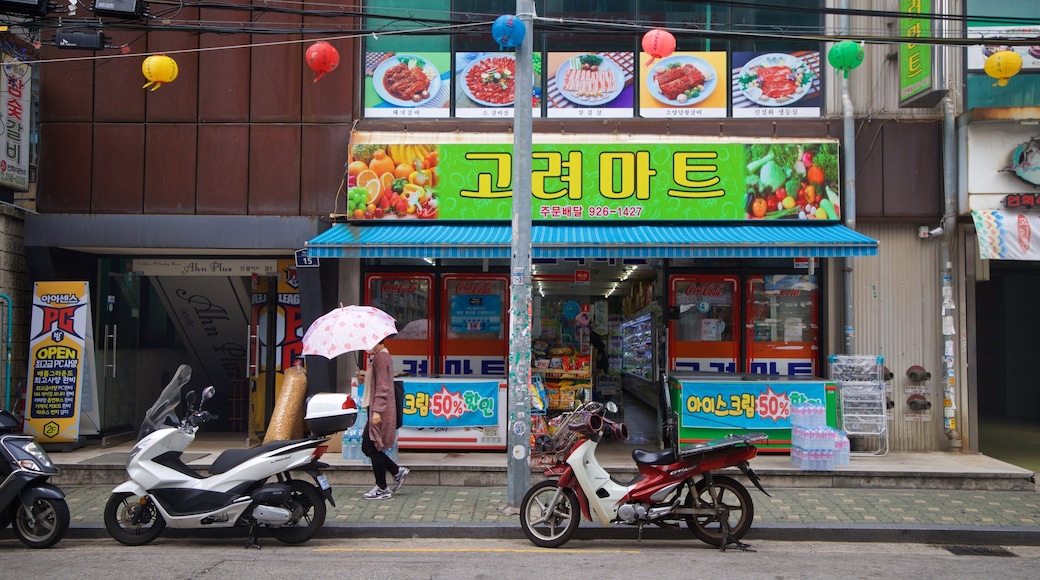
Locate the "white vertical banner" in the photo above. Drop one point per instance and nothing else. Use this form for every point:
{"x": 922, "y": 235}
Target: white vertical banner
{"x": 1007, "y": 235}
{"x": 15, "y": 111}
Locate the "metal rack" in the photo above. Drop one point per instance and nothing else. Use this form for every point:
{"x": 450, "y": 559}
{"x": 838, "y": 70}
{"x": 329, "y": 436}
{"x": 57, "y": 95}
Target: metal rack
{"x": 861, "y": 400}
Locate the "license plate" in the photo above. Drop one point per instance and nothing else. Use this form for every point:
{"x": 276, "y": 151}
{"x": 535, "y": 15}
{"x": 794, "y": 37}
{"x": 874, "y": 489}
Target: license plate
{"x": 323, "y": 481}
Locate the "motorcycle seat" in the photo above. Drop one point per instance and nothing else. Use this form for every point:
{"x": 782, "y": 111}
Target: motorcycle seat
{"x": 665, "y": 457}
{"x": 232, "y": 458}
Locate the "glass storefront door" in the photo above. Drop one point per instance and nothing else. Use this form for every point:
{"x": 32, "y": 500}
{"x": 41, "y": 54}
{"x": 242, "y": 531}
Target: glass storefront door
{"x": 116, "y": 344}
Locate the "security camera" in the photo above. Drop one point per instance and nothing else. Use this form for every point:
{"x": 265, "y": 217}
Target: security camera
{"x": 924, "y": 232}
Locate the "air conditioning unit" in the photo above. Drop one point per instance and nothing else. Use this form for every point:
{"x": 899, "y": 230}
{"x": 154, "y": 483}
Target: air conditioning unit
{"x": 119, "y": 8}
{"x": 30, "y": 7}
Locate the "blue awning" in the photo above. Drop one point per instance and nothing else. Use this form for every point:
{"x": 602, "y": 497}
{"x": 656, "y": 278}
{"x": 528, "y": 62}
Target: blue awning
{"x": 458, "y": 240}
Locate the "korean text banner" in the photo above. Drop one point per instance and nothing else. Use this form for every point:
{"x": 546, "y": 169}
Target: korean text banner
{"x": 60, "y": 365}
{"x": 753, "y": 405}
{"x": 448, "y": 403}
{"x": 590, "y": 182}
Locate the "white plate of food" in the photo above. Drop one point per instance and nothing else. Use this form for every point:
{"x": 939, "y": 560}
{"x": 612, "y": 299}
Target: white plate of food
{"x": 406, "y": 80}
{"x": 775, "y": 79}
{"x": 590, "y": 79}
{"x": 490, "y": 80}
{"x": 682, "y": 80}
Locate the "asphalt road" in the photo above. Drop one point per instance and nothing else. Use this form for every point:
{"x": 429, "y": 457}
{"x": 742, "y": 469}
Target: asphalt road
{"x": 409, "y": 558}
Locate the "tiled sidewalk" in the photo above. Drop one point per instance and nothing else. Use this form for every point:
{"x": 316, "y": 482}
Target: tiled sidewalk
{"x": 421, "y": 505}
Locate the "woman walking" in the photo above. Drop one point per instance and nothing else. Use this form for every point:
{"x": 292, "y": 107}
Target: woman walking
{"x": 381, "y": 429}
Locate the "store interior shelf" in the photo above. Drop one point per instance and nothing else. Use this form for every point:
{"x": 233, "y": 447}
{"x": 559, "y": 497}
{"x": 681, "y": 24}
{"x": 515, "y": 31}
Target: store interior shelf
{"x": 562, "y": 374}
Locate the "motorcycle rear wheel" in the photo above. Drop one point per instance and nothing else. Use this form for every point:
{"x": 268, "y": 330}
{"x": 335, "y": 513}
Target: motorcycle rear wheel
{"x": 548, "y": 524}
{"x": 123, "y": 509}
{"x": 43, "y": 524}
{"x": 308, "y": 508}
{"x": 739, "y": 511}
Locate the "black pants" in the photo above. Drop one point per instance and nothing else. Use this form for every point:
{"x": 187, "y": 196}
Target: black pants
{"x": 381, "y": 462}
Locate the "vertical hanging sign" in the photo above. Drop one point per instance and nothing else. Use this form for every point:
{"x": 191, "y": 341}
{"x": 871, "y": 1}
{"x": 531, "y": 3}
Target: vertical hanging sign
{"x": 15, "y": 92}
{"x": 62, "y": 388}
{"x": 920, "y": 79}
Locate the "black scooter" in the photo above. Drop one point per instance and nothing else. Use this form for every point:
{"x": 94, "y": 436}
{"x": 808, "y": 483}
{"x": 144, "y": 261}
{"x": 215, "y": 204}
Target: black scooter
{"x": 34, "y": 506}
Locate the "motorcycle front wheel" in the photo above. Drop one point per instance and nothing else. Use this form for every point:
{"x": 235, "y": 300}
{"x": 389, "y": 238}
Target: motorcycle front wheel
{"x": 133, "y": 520}
{"x": 549, "y": 514}
{"x": 43, "y": 524}
{"x": 734, "y": 507}
{"x": 308, "y": 507}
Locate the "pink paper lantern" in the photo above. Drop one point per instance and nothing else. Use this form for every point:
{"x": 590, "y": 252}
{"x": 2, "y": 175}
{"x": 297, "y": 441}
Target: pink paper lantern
{"x": 658, "y": 43}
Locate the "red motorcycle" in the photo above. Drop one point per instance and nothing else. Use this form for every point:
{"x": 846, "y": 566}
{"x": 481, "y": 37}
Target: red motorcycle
{"x": 672, "y": 486}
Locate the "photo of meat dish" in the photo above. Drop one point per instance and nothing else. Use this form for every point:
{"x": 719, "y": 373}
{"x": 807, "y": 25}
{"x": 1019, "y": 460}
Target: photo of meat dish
{"x": 681, "y": 80}
{"x": 775, "y": 79}
{"x": 677, "y": 80}
{"x": 408, "y": 83}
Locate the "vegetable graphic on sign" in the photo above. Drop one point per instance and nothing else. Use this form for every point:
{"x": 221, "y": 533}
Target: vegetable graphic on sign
{"x": 792, "y": 181}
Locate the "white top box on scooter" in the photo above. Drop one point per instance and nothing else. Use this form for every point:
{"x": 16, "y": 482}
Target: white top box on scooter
{"x": 328, "y": 413}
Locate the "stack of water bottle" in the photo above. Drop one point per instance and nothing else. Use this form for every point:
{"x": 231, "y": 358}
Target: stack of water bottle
{"x": 814, "y": 445}
{"x": 352, "y": 440}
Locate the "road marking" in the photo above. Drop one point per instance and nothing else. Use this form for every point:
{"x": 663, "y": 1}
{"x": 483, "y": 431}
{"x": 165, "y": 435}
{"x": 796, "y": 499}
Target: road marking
{"x": 509, "y": 550}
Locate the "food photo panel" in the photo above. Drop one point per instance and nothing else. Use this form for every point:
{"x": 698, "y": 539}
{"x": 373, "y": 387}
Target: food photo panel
{"x": 485, "y": 85}
{"x": 978, "y": 53}
{"x": 407, "y": 85}
{"x": 682, "y": 85}
{"x": 776, "y": 84}
{"x": 590, "y": 84}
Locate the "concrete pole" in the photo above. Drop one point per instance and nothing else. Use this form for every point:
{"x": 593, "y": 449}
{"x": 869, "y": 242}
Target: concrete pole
{"x": 518, "y": 439}
{"x": 849, "y": 207}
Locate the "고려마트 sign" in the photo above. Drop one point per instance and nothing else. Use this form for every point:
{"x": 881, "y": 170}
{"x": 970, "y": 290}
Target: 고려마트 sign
{"x": 585, "y": 182}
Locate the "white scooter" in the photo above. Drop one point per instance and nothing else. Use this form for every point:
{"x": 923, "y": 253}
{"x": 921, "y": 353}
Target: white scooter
{"x": 164, "y": 491}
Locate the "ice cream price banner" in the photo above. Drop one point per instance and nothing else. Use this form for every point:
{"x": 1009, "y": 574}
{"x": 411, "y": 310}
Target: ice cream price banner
{"x": 62, "y": 387}
{"x": 745, "y": 404}
{"x": 451, "y": 403}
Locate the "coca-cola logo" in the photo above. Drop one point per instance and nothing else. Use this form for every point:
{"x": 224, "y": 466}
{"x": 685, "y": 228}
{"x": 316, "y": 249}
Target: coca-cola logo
{"x": 705, "y": 290}
{"x": 1024, "y": 233}
{"x": 400, "y": 287}
{"x": 473, "y": 287}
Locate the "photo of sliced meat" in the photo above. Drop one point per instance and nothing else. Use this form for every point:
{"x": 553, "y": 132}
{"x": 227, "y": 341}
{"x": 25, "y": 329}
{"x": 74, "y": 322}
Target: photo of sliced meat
{"x": 676, "y": 81}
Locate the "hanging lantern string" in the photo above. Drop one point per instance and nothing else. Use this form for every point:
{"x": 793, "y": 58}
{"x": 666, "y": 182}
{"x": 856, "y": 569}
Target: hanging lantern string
{"x": 556, "y": 24}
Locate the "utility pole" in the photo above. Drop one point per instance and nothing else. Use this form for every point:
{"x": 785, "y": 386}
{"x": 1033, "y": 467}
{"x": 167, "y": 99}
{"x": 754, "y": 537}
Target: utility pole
{"x": 518, "y": 439}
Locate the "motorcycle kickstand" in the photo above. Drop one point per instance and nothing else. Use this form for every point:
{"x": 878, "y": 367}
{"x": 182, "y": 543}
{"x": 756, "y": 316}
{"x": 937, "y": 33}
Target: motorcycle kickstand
{"x": 252, "y": 541}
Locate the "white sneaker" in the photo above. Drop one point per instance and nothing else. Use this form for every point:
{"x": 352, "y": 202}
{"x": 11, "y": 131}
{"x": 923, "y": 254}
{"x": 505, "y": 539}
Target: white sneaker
{"x": 378, "y": 493}
{"x": 399, "y": 478}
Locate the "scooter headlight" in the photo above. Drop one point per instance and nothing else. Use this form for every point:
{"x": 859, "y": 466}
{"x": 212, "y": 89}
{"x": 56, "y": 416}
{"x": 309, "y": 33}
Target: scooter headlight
{"x": 31, "y": 456}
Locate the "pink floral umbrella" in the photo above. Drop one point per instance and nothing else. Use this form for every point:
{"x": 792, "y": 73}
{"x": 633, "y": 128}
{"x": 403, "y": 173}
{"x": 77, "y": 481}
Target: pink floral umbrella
{"x": 346, "y": 329}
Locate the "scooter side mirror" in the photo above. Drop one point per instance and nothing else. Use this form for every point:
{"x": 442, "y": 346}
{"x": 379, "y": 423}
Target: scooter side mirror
{"x": 208, "y": 393}
{"x": 189, "y": 399}
{"x": 612, "y": 406}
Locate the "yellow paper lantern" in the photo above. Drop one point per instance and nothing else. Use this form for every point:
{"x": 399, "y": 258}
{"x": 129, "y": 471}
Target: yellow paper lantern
{"x": 158, "y": 69}
{"x": 1002, "y": 65}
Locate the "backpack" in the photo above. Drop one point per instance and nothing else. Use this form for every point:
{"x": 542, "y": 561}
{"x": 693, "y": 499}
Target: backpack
{"x": 399, "y": 397}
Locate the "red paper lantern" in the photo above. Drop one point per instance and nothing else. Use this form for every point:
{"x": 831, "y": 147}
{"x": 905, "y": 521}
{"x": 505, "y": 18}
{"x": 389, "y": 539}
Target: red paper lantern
{"x": 323, "y": 58}
{"x": 658, "y": 43}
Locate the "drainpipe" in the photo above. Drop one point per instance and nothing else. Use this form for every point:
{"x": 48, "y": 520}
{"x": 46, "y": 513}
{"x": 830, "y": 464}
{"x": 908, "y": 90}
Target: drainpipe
{"x": 7, "y": 351}
{"x": 849, "y": 207}
{"x": 949, "y": 224}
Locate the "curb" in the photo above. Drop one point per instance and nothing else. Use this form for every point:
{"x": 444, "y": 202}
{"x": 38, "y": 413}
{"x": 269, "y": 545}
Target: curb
{"x": 867, "y": 533}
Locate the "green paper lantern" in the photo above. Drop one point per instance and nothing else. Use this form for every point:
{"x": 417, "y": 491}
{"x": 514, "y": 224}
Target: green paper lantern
{"x": 845, "y": 56}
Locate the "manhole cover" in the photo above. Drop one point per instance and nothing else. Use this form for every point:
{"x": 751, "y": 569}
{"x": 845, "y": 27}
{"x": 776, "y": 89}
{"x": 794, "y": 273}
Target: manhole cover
{"x": 979, "y": 551}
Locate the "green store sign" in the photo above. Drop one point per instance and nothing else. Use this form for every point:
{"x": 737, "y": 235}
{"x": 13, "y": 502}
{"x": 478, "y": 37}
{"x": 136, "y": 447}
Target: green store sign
{"x": 629, "y": 182}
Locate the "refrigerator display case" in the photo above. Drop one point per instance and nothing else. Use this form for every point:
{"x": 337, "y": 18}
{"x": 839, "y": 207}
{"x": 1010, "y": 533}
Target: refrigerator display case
{"x": 639, "y": 347}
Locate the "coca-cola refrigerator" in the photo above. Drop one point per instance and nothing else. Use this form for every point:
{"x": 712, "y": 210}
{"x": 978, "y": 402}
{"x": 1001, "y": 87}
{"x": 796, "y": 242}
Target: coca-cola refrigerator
{"x": 704, "y": 335}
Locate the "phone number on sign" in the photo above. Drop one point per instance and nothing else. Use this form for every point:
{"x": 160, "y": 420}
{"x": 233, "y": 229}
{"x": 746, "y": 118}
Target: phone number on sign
{"x": 604, "y": 211}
